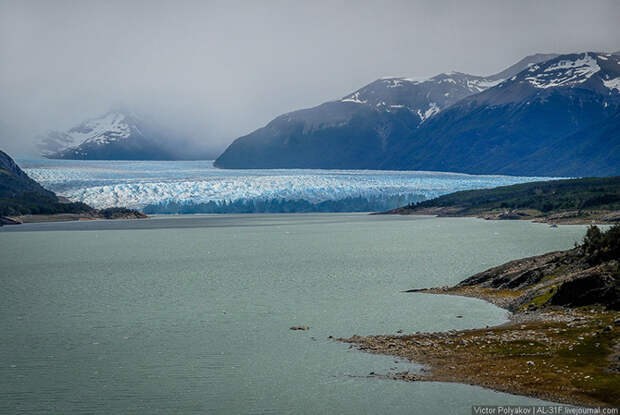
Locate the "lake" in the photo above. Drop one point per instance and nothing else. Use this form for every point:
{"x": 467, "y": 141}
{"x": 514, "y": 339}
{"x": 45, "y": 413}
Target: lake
{"x": 191, "y": 314}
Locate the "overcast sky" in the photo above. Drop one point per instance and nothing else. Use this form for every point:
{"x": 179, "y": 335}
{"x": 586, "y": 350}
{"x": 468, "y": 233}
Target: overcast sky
{"x": 218, "y": 70}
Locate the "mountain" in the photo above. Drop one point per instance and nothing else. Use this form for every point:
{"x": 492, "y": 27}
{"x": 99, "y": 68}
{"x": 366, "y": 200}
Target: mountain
{"x": 117, "y": 135}
{"x": 560, "y": 117}
{"x": 15, "y": 181}
{"x": 19, "y": 194}
{"x": 363, "y": 128}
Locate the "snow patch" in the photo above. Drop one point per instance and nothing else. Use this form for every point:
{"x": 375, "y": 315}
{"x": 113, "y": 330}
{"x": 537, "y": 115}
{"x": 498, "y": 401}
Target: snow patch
{"x": 480, "y": 85}
{"x": 431, "y": 110}
{"x": 111, "y": 127}
{"x": 613, "y": 84}
{"x": 565, "y": 72}
{"x": 354, "y": 98}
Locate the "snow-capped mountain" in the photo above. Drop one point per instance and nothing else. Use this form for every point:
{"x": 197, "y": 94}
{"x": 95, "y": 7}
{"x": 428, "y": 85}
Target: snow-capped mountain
{"x": 546, "y": 115}
{"x": 360, "y": 129}
{"x": 424, "y": 98}
{"x": 558, "y": 117}
{"x": 117, "y": 135}
{"x": 588, "y": 71}
{"x": 111, "y": 127}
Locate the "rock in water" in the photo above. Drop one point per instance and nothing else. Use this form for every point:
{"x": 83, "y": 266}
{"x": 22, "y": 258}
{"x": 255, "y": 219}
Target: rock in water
{"x": 300, "y": 328}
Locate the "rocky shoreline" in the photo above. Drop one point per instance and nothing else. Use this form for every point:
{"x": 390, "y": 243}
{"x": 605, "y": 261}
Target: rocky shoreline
{"x": 116, "y": 213}
{"x": 571, "y": 217}
{"x": 562, "y": 342}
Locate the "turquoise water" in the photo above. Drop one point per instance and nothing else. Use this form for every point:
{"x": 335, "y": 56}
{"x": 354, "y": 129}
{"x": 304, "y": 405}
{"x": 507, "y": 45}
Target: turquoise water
{"x": 191, "y": 314}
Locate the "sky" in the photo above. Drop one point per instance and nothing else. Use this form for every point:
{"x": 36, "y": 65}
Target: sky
{"x": 217, "y": 70}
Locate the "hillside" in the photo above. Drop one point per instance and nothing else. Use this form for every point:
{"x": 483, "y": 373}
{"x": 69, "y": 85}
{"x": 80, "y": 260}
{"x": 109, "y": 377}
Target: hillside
{"x": 20, "y": 196}
{"x": 557, "y": 116}
{"x": 362, "y": 129}
{"x": 569, "y": 200}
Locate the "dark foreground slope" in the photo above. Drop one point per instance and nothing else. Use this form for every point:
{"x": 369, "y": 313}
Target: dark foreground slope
{"x": 20, "y": 196}
{"x": 572, "y": 200}
{"x": 563, "y": 343}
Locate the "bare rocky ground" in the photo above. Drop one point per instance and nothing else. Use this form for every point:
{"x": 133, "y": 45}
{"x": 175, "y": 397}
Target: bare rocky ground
{"x": 66, "y": 217}
{"x": 572, "y": 217}
{"x": 562, "y": 343}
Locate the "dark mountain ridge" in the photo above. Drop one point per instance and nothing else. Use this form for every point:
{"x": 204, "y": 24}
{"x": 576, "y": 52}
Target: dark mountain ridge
{"x": 557, "y": 118}
{"x": 20, "y": 195}
{"x": 552, "y": 116}
{"x": 361, "y": 129}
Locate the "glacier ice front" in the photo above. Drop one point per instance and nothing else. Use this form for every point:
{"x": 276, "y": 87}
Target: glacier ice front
{"x": 198, "y": 187}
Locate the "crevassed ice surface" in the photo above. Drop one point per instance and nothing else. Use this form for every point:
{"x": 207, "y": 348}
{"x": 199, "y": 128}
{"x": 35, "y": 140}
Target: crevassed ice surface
{"x": 198, "y": 187}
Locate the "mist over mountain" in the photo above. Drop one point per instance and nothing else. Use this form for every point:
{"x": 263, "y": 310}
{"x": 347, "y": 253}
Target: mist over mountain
{"x": 120, "y": 135}
{"x": 215, "y": 71}
{"x": 523, "y": 120}
{"x": 359, "y": 130}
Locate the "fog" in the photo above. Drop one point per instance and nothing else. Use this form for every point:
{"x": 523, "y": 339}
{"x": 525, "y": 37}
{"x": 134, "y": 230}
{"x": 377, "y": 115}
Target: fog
{"x": 218, "y": 70}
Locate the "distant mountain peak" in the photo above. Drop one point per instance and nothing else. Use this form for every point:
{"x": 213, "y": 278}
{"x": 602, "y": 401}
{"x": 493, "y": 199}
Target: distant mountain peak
{"x": 545, "y": 115}
{"x": 424, "y": 97}
{"x": 119, "y": 134}
{"x": 570, "y": 71}
{"x": 587, "y": 70}
{"x": 427, "y": 96}
{"x": 113, "y": 126}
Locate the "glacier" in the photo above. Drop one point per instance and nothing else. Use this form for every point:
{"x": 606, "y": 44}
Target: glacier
{"x": 197, "y": 187}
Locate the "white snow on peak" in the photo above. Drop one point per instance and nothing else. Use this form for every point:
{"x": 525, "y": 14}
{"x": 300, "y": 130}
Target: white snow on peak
{"x": 398, "y": 80}
{"x": 480, "y": 85}
{"x": 355, "y": 97}
{"x": 565, "y": 72}
{"x": 394, "y": 83}
{"x": 613, "y": 84}
{"x": 110, "y": 127}
{"x": 430, "y": 111}
{"x": 448, "y": 80}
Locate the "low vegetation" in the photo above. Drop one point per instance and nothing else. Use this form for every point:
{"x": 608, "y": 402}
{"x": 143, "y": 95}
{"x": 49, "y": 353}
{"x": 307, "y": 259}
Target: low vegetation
{"x": 557, "y": 200}
{"x": 563, "y": 341}
{"x": 21, "y": 196}
{"x": 29, "y": 203}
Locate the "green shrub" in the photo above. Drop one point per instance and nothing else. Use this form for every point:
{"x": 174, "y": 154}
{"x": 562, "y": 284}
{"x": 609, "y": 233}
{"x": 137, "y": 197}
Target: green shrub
{"x": 600, "y": 246}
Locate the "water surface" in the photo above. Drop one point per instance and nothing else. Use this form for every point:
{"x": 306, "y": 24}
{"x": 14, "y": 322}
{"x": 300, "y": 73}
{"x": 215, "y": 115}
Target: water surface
{"x": 191, "y": 314}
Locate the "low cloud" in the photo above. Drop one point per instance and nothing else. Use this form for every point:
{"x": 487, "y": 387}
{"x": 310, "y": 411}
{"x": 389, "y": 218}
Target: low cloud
{"x": 217, "y": 70}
